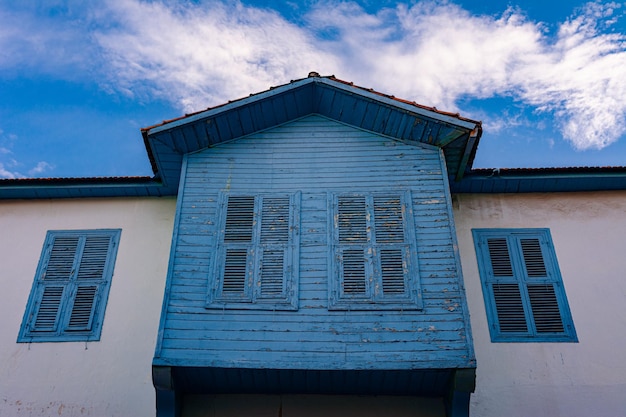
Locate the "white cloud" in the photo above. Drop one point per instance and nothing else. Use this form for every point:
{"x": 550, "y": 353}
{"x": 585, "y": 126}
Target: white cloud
{"x": 40, "y": 168}
{"x": 6, "y": 143}
{"x": 440, "y": 53}
{"x": 198, "y": 54}
{"x": 204, "y": 54}
{"x": 36, "y": 42}
{"x": 10, "y": 168}
{"x": 8, "y": 174}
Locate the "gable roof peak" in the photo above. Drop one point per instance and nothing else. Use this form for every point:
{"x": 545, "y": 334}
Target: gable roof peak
{"x": 363, "y": 108}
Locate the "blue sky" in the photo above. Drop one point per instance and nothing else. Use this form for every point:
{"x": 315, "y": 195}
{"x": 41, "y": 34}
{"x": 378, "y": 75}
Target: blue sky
{"x": 78, "y": 79}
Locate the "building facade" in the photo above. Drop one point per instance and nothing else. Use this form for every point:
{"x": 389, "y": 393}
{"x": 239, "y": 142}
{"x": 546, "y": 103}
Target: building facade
{"x": 317, "y": 248}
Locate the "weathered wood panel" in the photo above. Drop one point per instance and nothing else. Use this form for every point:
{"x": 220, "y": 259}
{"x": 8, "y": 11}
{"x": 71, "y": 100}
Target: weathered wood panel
{"x": 314, "y": 155}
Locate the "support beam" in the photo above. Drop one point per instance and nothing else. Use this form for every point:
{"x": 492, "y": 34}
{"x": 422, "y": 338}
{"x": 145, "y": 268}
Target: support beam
{"x": 462, "y": 384}
{"x": 168, "y": 401}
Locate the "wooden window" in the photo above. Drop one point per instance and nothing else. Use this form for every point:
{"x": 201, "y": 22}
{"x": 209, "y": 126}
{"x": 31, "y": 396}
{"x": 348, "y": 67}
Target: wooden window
{"x": 522, "y": 286}
{"x": 70, "y": 291}
{"x": 374, "y": 256}
{"x": 256, "y": 263}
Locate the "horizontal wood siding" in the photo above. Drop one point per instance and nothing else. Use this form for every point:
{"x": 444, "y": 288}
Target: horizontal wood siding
{"x": 314, "y": 155}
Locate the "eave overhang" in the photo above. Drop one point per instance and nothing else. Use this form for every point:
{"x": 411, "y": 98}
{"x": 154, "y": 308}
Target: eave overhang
{"x": 48, "y": 188}
{"x": 327, "y": 96}
{"x": 538, "y": 180}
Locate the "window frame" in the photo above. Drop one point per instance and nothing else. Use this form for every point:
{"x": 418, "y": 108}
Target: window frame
{"x": 373, "y": 297}
{"x": 252, "y": 298}
{"x": 87, "y": 326}
{"x": 523, "y": 269}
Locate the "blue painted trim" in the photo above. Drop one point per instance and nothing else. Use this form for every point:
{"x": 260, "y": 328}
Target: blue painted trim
{"x": 170, "y": 266}
{"x": 229, "y": 106}
{"x": 28, "y": 333}
{"x": 468, "y": 153}
{"x": 457, "y": 260}
{"x": 488, "y": 279}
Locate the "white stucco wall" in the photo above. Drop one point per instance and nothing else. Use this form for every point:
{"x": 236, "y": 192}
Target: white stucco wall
{"x": 555, "y": 379}
{"x": 111, "y": 377}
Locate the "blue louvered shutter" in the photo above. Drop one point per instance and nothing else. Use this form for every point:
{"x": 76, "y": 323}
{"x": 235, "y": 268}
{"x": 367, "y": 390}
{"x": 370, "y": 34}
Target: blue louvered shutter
{"x": 275, "y": 248}
{"x": 392, "y": 246}
{"x": 53, "y": 282}
{"x": 257, "y": 256}
{"x": 72, "y": 282}
{"x": 506, "y": 288}
{"x": 523, "y": 288}
{"x": 90, "y": 278}
{"x": 237, "y": 248}
{"x": 355, "y": 266}
{"x": 542, "y": 289}
{"x": 375, "y": 258}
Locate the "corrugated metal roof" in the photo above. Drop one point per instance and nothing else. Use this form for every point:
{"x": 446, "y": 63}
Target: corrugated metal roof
{"x": 524, "y": 180}
{"x": 28, "y": 188}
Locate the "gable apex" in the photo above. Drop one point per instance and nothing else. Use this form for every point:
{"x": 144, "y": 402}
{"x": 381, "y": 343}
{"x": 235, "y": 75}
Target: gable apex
{"x": 327, "y": 96}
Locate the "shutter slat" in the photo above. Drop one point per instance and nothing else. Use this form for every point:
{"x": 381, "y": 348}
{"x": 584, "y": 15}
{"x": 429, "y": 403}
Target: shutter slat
{"x": 545, "y": 308}
{"x": 61, "y": 258}
{"x": 239, "y": 219}
{"x": 48, "y": 308}
{"x": 509, "y": 308}
{"x": 82, "y": 310}
{"x": 500, "y": 258}
{"x": 275, "y": 220}
{"x": 388, "y": 219}
{"x": 94, "y": 257}
{"x": 352, "y": 219}
{"x": 272, "y": 273}
{"x": 533, "y": 258}
{"x": 353, "y": 272}
{"x": 235, "y": 264}
{"x": 392, "y": 270}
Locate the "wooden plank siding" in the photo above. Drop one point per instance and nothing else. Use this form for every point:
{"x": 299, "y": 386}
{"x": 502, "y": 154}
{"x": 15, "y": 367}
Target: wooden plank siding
{"x": 314, "y": 155}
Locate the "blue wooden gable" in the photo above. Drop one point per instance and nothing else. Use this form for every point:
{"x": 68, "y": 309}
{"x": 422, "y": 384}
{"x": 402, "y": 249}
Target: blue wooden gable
{"x": 213, "y": 330}
{"x": 314, "y": 247}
